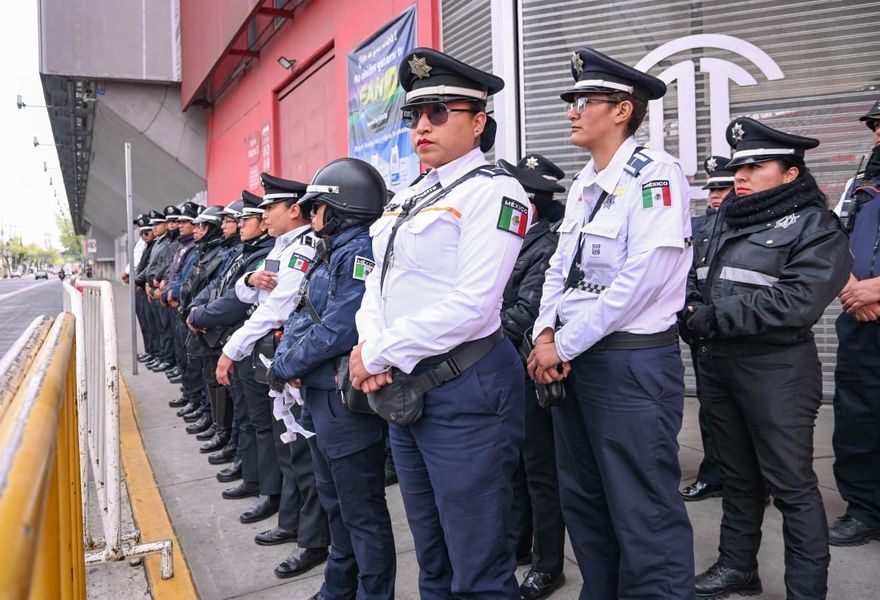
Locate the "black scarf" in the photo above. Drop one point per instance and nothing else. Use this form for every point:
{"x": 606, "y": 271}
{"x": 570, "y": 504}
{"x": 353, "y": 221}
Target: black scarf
{"x": 252, "y": 245}
{"x": 872, "y": 169}
{"x": 772, "y": 204}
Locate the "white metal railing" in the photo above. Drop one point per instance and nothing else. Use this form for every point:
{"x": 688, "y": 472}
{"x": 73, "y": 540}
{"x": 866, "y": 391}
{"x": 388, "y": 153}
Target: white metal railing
{"x": 97, "y": 380}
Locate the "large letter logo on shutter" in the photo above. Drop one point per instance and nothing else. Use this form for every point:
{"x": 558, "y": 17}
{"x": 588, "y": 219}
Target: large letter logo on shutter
{"x": 720, "y": 72}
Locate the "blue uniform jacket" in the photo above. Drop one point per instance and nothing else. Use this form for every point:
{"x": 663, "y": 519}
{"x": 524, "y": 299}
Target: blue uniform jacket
{"x": 864, "y": 240}
{"x": 228, "y": 309}
{"x": 185, "y": 272}
{"x": 308, "y": 349}
{"x": 230, "y": 249}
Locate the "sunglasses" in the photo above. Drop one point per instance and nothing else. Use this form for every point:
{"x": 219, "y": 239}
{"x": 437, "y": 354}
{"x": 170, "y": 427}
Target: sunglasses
{"x": 313, "y": 210}
{"x": 580, "y": 103}
{"x": 437, "y": 113}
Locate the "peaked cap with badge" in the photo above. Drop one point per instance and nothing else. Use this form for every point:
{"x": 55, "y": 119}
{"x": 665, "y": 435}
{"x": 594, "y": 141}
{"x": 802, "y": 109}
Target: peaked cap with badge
{"x": 212, "y": 215}
{"x": 143, "y": 223}
{"x": 429, "y": 76}
{"x": 172, "y": 212}
{"x": 537, "y": 174}
{"x": 719, "y": 175}
{"x": 872, "y": 117}
{"x": 156, "y": 217}
{"x": 188, "y": 211}
{"x": 595, "y": 72}
{"x": 754, "y": 142}
{"x": 250, "y": 205}
{"x": 279, "y": 190}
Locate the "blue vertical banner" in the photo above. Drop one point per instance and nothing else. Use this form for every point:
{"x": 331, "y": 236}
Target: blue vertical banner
{"x": 376, "y": 132}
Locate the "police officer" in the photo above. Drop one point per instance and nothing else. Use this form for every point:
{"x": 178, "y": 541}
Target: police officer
{"x": 778, "y": 259}
{"x": 162, "y": 281}
{"x": 142, "y": 304}
{"x": 348, "y": 450}
{"x": 857, "y": 374}
{"x": 178, "y": 271}
{"x": 720, "y": 184}
{"x": 606, "y": 327}
{"x": 537, "y": 515}
{"x": 154, "y": 272}
{"x": 286, "y": 478}
{"x": 444, "y": 251}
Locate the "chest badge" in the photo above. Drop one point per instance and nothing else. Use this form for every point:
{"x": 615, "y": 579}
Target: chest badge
{"x": 595, "y": 249}
{"x": 363, "y": 266}
{"x": 786, "y": 221}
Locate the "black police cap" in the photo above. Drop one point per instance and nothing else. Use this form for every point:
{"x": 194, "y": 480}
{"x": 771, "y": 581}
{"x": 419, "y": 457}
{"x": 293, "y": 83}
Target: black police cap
{"x": 171, "y": 212}
{"x": 427, "y": 75}
{"x": 537, "y": 174}
{"x": 279, "y": 190}
{"x": 719, "y": 175}
{"x": 251, "y": 205}
{"x": 188, "y": 211}
{"x": 211, "y": 215}
{"x": 754, "y": 142}
{"x": 233, "y": 209}
{"x": 143, "y": 223}
{"x": 871, "y": 116}
{"x": 156, "y": 217}
{"x": 595, "y": 72}
{"x": 137, "y": 218}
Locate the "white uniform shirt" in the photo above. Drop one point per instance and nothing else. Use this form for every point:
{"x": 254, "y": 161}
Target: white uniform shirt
{"x": 138, "y": 252}
{"x": 635, "y": 256}
{"x": 450, "y": 265}
{"x": 295, "y": 253}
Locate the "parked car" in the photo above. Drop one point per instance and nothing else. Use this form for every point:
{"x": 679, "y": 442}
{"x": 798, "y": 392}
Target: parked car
{"x": 41, "y": 274}
{"x": 15, "y": 275}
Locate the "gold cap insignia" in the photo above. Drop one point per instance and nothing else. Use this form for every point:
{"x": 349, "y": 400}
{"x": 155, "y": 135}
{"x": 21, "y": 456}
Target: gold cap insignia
{"x": 419, "y": 67}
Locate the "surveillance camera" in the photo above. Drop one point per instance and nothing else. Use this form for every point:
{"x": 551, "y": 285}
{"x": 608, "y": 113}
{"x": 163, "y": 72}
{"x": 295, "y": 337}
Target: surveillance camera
{"x": 87, "y": 94}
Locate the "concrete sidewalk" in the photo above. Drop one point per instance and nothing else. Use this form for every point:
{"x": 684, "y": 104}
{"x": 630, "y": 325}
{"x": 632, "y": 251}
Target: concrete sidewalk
{"x": 226, "y": 563}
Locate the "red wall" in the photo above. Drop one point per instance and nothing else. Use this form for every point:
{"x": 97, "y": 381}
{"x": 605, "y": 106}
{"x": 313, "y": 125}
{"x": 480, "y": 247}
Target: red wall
{"x": 252, "y": 101}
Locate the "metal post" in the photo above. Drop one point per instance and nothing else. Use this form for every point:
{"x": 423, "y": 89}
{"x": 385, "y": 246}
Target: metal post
{"x": 129, "y": 252}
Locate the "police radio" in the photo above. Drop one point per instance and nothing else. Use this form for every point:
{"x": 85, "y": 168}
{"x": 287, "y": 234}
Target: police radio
{"x": 850, "y": 205}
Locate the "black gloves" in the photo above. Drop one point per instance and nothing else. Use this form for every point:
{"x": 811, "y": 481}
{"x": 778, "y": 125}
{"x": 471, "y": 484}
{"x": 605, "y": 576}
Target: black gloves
{"x": 274, "y": 383}
{"x": 702, "y": 322}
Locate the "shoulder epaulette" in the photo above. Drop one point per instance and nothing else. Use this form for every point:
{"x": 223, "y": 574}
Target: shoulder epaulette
{"x": 637, "y": 162}
{"x": 493, "y": 172}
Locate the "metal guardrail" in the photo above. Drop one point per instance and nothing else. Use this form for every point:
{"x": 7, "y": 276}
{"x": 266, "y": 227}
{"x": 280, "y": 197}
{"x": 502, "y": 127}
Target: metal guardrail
{"x": 97, "y": 377}
{"x": 40, "y": 509}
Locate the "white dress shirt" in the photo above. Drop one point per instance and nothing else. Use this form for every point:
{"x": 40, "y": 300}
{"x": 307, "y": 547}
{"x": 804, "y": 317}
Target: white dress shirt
{"x": 447, "y": 275}
{"x": 138, "y": 252}
{"x": 635, "y": 255}
{"x": 290, "y": 249}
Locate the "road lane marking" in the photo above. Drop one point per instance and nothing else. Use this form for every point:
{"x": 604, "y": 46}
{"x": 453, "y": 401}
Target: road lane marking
{"x": 24, "y": 289}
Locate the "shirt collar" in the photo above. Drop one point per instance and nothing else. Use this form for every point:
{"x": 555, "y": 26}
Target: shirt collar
{"x": 286, "y": 238}
{"x": 608, "y": 177}
{"x": 451, "y": 171}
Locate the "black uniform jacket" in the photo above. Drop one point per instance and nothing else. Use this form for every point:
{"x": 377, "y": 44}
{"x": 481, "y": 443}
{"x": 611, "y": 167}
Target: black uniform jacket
{"x": 770, "y": 281}
{"x": 522, "y": 295}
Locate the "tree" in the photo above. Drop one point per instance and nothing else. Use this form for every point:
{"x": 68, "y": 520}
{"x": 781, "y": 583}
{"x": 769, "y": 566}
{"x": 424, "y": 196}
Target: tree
{"x": 71, "y": 242}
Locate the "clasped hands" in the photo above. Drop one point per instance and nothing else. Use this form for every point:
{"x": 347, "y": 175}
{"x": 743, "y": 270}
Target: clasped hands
{"x": 861, "y": 299}
{"x": 544, "y": 364}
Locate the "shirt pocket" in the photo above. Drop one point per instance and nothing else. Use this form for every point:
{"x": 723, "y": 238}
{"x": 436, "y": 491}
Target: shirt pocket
{"x": 603, "y": 252}
{"x": 763, "y": 258}
{"x": 429, "y": 241}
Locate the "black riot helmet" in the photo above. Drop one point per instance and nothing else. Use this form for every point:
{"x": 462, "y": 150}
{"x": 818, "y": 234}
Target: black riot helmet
{"x": 353, "y": 192}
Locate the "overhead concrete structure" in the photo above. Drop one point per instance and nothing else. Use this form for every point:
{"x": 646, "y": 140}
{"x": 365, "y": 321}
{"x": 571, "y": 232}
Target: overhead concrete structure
{"x": 111, "y": 74}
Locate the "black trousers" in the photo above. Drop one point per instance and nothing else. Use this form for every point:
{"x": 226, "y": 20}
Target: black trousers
{"x": 710, "y": 467}
{"x": 537, "y": 513}
{"x": 857, "y": 418}
{"x": 300, "y": 508}
{"x": 164, "y": 331}
{"x": 243, "y": 434}
{"x": 259, "y": 410}
{"x": 762, "y": 410}
{"x": 145, "y": 321}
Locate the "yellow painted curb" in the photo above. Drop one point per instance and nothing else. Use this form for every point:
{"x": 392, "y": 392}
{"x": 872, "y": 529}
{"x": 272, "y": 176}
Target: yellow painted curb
{"x": 148, "y": 507}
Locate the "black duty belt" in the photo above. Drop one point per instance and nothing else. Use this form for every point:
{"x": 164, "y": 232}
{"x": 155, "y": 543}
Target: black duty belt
{"x": 446, "y": 367}
{"x": 623, "y": 340}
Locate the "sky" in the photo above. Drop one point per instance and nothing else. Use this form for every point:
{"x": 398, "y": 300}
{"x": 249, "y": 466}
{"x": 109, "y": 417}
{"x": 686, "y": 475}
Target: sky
{"x": 28, "y": 203}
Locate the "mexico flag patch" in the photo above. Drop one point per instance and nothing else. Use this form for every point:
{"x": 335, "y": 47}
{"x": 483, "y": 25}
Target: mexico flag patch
{"x": 299, "y": 262}
{"x": 363, "y": 266}
{"x": 514, "y": 217}
{"x": 656, "y": 193}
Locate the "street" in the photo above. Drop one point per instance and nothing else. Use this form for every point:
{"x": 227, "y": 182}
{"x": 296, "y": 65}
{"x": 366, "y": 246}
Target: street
{"x": 21, "y": 300}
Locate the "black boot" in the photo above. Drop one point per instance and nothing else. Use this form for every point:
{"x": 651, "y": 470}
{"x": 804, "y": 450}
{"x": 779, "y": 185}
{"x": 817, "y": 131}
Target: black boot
{"x": 178, "y": 402}
{"x": 225, "y": 455}
{"x": 188, "y": 408}
{"x": 199, "y": 426}
{"x": 230, "y": 473}
{"x": 207, "y": 434}
{"x": 265, "y": 507}
{"x": 245, "y": 489}
{"x": 220, "y": 439}
{"x": 718, "y": 581}
{"x": 849, "y": 531}
{"x": 194, "y": 416}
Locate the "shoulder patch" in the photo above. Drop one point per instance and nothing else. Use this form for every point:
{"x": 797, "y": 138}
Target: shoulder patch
{"x": 299, "y": 262}
{"x": 656, "y": 193}
{"x": 363, "y": 266}
{"x": 514, "y": 217}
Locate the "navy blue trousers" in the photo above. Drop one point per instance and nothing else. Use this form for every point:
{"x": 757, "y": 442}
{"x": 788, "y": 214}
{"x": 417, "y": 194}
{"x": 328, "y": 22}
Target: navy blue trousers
{"x": 455, "y": 466}
{"x": 145, "y": 320}
{"x": 617, "y": 455}
{"x": 257, "y": 443}
{"x": 857, "y": 418}
{"x": 348, "y": 454}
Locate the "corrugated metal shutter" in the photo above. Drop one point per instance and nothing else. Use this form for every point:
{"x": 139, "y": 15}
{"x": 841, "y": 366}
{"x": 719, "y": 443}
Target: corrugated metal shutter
{"x": 467, "y": 35}
{"x": 828, "y": 53}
